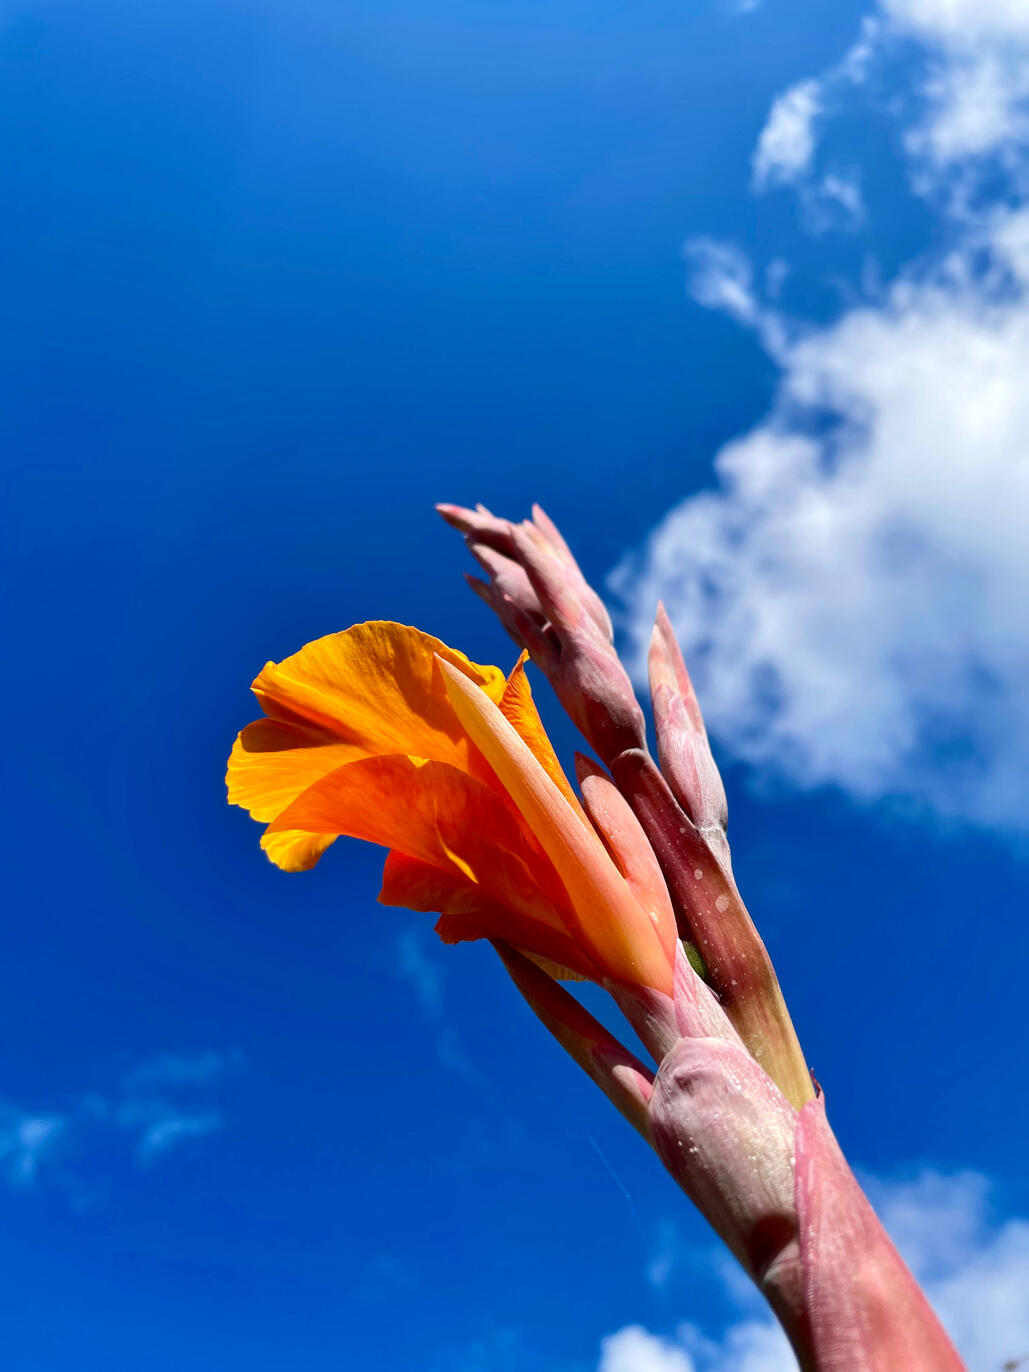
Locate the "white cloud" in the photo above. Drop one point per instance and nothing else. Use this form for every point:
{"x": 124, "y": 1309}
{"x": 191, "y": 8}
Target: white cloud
{"x": 634, "y": 1350}
{"x": 25, "y": 1141}
{"x": 976, "y": 1276}
{"x": 752, "y": 1345}
{"x": 154, "y": 1106}
{"x": 976, "y": 106}
{"x": 720, "y": 277}
{"x": 962, "y": 21}
{"x": 1009, "y": 235}
{"x": 852, "y": 597}
{"x": 169, "y": 1099}
{"x": 975, "y": 1272}
{"x": 963, "y": 97}
{"x": 413, "y": 965}
{"x": 159, "y": 1125}
{"x": 787, "y": 142}
{"x": 844, "y": 191}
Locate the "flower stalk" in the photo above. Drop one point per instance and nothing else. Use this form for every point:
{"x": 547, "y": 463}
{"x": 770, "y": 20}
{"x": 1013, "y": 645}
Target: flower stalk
{"x": 385, "y": 734}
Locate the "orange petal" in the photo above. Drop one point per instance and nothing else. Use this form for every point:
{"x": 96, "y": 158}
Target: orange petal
{"x": 553, "y": 949}
{"x": 412, "y": 884}
{"x": 439, "y": 815}
{"x": 468, "y": 912}
{"x": 370, "y": 690}
{"x": 518, "y": 707}
{"x": 616, "y": 932}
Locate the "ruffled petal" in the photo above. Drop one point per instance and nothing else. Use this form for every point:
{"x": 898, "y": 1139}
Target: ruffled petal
{"x": 440, "y": 816}
{"x": 376, "y": 686}
{"x": 372, "y": 689}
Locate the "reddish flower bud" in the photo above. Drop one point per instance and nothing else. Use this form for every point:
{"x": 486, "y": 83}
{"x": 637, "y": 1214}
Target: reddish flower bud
{"x": 726, "y": 1134}
{"x": 543, "y": 600}
{"x": 682, "y": 743}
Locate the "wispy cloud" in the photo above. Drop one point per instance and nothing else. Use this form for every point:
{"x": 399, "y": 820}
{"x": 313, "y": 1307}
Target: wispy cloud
{"x": 786, "y": 146}
{"x": 153, "y": 1106}
{"x": 424, "y": 976}
{"x": 414, "y": 963}
{"x": 25, "y": 1142}
{"x": 169, "y": 1099}
{"x": 975, "y": 1271}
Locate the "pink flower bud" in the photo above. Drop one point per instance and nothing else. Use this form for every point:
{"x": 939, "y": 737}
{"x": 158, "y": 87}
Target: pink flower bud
{"x": 726, "y": 1134}
{"x": 548, "y": 607}
{"x": 683, "y": 747}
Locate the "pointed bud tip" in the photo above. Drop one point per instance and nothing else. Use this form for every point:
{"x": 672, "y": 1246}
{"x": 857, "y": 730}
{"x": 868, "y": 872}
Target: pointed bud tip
{"x": 546, "y": 525}
{"x": 668, "y": 674}
{"x": 663, "y": 655}
{"x": 481, "y": 588}
{"x": 455, "y": 515}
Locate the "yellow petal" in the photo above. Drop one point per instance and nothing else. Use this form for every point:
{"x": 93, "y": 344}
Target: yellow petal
{"x": 370, "y": 690}
{"x": 295, "y": 851}
{"x": 272, "y": 761}
{"x": 375, "y": 686}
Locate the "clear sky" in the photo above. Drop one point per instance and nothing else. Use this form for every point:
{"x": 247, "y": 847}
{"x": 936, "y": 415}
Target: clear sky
{"x": 278, "y": 276}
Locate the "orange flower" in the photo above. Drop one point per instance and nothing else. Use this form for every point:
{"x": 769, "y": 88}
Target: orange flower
{"x": 383, "y": 733}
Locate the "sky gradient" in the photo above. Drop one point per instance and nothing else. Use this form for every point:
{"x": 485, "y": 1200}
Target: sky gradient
{"x": 738, "y": 293}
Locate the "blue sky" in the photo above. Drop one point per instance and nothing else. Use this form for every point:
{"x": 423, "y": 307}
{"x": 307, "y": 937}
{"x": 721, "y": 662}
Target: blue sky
{"x": 739, "y": 294}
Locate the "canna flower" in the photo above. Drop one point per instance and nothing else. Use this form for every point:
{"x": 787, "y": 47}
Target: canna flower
{"x": 383, "y": 733}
